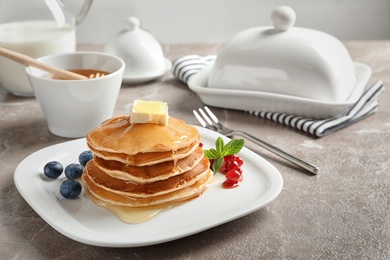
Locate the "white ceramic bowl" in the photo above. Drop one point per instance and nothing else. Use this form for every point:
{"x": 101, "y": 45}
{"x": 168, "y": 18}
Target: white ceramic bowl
{"x": 141, "y": 52}
{"x": 285, "y": 60}
{"x": 74, "y": 107}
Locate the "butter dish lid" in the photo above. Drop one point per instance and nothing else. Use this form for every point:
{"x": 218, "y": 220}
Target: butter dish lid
{"x": 141, "y": 51}
{"x": 287, "y": 60}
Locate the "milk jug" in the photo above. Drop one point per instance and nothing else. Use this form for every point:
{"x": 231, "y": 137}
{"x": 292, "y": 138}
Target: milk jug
{"x": 35, "y": 28}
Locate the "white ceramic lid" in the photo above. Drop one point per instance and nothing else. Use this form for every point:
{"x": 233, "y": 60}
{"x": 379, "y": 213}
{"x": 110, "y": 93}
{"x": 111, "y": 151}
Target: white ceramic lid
{"x": 283, "y": 59}
{"x": 139, "y": 49}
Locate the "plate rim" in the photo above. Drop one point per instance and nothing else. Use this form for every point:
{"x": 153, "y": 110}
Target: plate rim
{"x": 275, "y": 179}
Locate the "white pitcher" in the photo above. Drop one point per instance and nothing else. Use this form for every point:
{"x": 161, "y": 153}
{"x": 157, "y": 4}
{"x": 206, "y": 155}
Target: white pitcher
{"x": 35, "y": 28}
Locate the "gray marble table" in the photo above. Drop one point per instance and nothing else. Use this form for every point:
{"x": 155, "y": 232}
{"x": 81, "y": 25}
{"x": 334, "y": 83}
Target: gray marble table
{"x": 342, "y": 213}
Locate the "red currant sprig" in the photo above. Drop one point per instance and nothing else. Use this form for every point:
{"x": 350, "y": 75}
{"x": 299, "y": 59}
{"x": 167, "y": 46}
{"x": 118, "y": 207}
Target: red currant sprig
{"x": 230, "y": 162}
{"x": 223, "y": 160}
{"x": 232, "y": 170}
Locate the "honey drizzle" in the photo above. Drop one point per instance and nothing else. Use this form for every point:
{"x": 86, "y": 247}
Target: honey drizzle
{"x": 132, "y": 215}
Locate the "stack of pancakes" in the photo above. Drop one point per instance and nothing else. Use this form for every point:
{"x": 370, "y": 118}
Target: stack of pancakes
{"x": 145, "y": 165}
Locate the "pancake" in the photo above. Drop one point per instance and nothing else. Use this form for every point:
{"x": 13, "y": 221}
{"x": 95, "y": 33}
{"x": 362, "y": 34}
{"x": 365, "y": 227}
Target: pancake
{"x": 150, "y": 173}
{"x": 145, "y": 159}
{"x": 118, "y": 135}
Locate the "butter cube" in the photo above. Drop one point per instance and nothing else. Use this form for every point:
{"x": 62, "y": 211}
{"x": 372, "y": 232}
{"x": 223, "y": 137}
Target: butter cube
{"x": 152, "y": 112}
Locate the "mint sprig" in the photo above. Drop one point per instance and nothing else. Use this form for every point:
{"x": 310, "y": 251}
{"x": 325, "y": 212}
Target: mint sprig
{"x": 221, "y": 150}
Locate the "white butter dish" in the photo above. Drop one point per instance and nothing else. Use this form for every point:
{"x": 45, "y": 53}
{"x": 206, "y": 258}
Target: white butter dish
{"x": 141, "y": 52}
{"x": 282, "y": 59}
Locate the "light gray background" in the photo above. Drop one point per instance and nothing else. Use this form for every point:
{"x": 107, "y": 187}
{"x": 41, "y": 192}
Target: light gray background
{"x": 211, "y": 21}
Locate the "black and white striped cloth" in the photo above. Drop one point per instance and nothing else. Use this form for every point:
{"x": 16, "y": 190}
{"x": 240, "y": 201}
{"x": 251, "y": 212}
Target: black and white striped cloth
{"x": 185, "y": 67}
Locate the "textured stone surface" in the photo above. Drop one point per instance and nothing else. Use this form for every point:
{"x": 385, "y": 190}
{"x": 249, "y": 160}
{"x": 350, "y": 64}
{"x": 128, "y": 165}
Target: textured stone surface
{"x": 343, "y": 213}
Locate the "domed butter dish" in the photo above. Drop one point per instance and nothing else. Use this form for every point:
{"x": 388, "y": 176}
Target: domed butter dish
{"x": 142, "y": 53}
{"x": 283, "y": 69}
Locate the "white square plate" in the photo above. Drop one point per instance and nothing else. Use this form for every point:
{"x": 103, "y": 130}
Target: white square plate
{"x": 83, "y": 221}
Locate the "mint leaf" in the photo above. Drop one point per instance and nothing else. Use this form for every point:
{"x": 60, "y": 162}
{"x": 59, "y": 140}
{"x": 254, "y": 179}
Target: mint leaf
{"x": 219, "y": 145}
{"x": 233, "y": 147}
{"x": 217, "y": 164}
{"x": 211, "y": 154}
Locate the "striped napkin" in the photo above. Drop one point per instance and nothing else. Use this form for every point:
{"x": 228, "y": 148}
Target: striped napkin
{"x": 185, "y": 67}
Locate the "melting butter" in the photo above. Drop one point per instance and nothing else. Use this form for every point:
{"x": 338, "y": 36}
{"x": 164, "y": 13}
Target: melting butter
{"x": 152, "y": 112}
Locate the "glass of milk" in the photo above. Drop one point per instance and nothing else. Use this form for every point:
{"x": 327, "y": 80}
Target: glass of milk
{"x": 35, "y": 28}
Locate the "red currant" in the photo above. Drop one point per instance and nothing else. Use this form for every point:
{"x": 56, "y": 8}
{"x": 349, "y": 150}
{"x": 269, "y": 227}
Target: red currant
{"x": 230, "y": 165}
{"x": 239, "y": 160}
{"x": 230, "y": 162}
{"x": 229, "y": 184}
{"x": 229, "y": 158}
{"x": 234, "y": 175}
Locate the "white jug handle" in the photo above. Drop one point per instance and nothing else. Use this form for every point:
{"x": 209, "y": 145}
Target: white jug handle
{"x": 84, "y": 10}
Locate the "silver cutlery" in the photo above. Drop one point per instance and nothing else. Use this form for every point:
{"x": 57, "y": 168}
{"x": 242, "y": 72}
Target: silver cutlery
{"x": 209, "y": 120}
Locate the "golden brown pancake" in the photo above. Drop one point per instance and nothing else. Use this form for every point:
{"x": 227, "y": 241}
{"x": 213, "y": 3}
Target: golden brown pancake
{"x": 117, "y": 135}
{"x": 146, "y": 174}
{"x": 144, "y": 159}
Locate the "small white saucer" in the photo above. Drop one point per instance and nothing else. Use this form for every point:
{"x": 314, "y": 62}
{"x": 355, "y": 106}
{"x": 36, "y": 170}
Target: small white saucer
{"x": 270, "y": 102}
{"x": 136, "y": 79}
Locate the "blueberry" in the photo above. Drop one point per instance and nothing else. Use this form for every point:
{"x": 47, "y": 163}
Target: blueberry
{"x": 70, "y": 189}
{"x": 84, "y": 157}
{"x": 53, "y": 169}
{"x": 73, "y": 171}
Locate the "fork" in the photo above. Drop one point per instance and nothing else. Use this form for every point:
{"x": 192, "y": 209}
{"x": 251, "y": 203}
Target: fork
{"x": 211, "y": 122}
